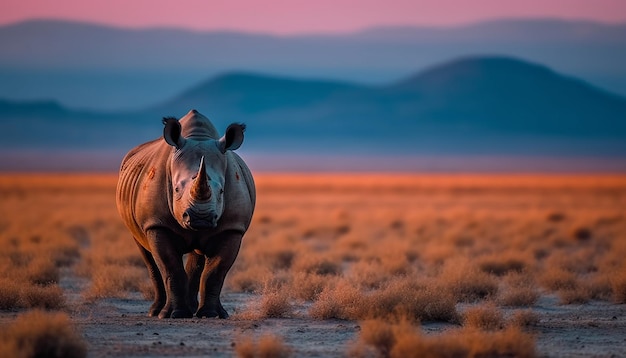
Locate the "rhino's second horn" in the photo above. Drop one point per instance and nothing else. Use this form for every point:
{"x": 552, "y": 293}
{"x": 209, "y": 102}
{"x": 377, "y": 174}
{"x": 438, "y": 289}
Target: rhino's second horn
{"x": 201, "y": 190}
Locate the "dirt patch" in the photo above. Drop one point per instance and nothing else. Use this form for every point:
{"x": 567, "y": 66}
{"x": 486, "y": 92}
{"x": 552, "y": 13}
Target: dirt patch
{"x": 119, "y": 327}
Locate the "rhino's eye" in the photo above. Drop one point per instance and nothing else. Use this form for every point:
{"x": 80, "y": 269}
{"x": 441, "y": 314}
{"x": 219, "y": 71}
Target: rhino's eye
{"x": 221, "y": 191}
{"x": 177, "y": 189}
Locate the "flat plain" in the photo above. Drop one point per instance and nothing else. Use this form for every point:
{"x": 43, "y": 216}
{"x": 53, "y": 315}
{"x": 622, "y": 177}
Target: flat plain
{"x": 360, "y": 265}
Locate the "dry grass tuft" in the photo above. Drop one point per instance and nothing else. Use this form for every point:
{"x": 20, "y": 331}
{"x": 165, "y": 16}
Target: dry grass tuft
{"x": 403, "y": 340}
{"x": 399, "y": 299}
{"x": 41, "y": 334}
{"x": 618, "y": 284}
{"x": 524, "y": 319}
{"x": 557, "y": 279}
{"x": 307, "y": 286}
{"x": 272, "y": 303}
{"x": 317, "y": 265}
{"x": 486, "y": 317}
{"x": 115, "y": 281}
{"x": 381, "y": 335}
{"x": 268, "y": 346}
{"x": 467, "y": 283}
{"x": 23, "y": 295}
{"x": 501, "y": 265}
{"x": 518, "y": 290}
{"x": 341, "y": 300}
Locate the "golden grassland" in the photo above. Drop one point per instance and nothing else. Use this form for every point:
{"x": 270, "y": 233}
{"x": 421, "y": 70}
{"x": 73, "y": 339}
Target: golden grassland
{"x": 389, "y": 251}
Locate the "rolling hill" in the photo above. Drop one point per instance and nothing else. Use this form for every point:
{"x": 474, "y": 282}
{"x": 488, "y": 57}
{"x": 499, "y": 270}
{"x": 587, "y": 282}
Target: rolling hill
{"x": 469, "y": 106}
{"x": 92, "y": 66}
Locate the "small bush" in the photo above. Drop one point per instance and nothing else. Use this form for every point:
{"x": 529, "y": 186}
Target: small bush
{"x": 487, "y": 317}
{"x": 559, "y": 279}
{"x": 380, "y": 335}
{"x": 523, "y": 319}
{"x": 403, "y": 340}
{"x": 268, "y": 346}
{"x": 519, "y": 291}
{"x": 272, "y": 303}
{"x": 574, "y": 296}
{"x": 618, "y": 284}
{"x": 116, "y": 281}
{"x": 24, "y": 295}
{"x": 307, "y": 286}
{"x": 500, "y": 266}
{"x": 469, "y": 284}
{"x": 341, "y": 301}
{"x": 41, "y": 334}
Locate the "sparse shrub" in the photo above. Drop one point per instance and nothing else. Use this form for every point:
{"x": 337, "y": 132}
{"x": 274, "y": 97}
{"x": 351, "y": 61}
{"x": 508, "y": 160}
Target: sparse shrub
{"x": 268, "y": 346}
{"x": 578, "y": 295}
{"x": 406, "y": 299}
{"x": 340, "y": 300}
{"x": 116, "y": 281}
{"x": 281, "y": 259}
{"x": 47, "y": 297}
{"x": 487, "y": 317}
{"x": 380, "y": 335}
{"x": 558, "y": 279}
{"x": 42, "y": 271}
{"x": 401, "y": 298}
{"x": 41, "y": 334}
{"x": 618, "y": 284}
{"x": 248, "y": 279}
{"x": 401, "y": 340}
{"x": 272, "y": 303}
{"x": 276, "y": 304}
{"x": 523, "y": 319}
{"x": 518, "y": 290}
{"x": 307, "y": 286}
{"x": 599, "y": 287}
{"x": 518, "y": 296}
{"x": 24, "y": 295}
{"x": 467, "y": 283}
{"x": 10, "y": 294}
{"x": 499, "y": 265}
{"x": 318, "y": 265}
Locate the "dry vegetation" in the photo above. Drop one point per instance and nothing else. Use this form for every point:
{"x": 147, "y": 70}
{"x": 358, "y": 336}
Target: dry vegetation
{"x": 392, "y": 252}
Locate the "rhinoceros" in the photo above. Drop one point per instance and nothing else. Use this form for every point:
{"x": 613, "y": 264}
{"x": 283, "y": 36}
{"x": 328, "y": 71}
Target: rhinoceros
{"x": 187, "y": 193}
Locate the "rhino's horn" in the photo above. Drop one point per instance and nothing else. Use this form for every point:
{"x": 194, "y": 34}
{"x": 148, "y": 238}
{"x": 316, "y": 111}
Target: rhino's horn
{"x": 200, "y": 189}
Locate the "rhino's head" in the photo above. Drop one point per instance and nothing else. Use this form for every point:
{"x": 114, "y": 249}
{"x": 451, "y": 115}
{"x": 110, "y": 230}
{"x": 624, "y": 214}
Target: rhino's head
{"x": 197, "y": 174}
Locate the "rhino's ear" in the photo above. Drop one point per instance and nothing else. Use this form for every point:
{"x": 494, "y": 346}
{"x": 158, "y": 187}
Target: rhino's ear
{"x": 172, "y": 132}
{"x": 233, "y": 137}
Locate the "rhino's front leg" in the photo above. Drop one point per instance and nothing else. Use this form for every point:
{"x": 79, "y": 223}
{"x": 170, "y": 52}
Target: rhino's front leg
{"x": 157, "y": 281}
{"x": 194, "y": 267}
{"x": 169, "y": 260}
{"x": 220, "y": 256}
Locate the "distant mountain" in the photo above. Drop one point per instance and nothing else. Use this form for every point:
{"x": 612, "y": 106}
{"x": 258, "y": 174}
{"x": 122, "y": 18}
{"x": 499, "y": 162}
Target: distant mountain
{"x": 92, "y": 66}
{"x": 493, "y": 95}
{"x": 469, "y": 106}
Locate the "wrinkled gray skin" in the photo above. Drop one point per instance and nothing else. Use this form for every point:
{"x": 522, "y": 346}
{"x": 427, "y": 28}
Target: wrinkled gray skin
{"x": 187, "y": 193}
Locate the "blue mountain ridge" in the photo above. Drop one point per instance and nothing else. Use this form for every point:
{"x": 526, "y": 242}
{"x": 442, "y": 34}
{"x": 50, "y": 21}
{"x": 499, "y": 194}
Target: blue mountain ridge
{"x": 101, "y": 67}
{"x": 473, "y": 105}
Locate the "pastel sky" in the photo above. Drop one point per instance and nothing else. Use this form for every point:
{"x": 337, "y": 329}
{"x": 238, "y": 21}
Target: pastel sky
{"x": 304, "y": 16}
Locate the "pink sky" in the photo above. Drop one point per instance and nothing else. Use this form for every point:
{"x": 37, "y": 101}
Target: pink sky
{"x": 304, "y": 16}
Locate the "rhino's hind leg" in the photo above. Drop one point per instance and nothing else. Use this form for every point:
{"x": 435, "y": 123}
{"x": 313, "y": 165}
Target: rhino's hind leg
{"x": 193, "y": 268}
{"x": 169, "y": 261}
{"x": 157, "y": 281}
{"x": 219, "y": 259}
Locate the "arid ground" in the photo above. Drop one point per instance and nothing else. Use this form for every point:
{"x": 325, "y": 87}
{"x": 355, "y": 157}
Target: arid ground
{"x": 362, "y": 265}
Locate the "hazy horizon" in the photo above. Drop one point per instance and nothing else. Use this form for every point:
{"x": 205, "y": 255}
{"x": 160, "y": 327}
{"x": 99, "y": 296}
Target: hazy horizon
{"x": 302, "y": 18}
